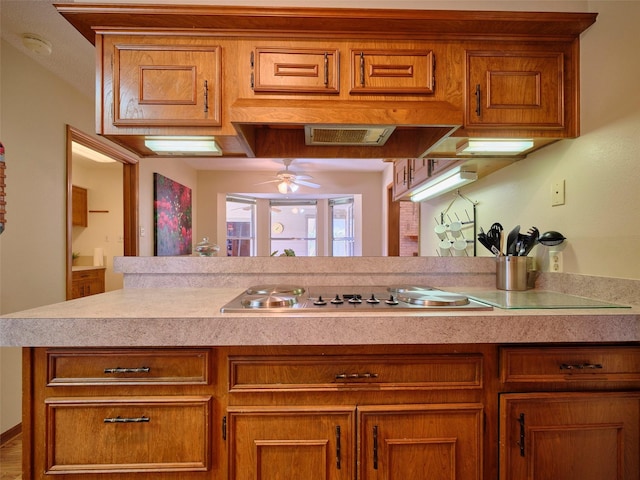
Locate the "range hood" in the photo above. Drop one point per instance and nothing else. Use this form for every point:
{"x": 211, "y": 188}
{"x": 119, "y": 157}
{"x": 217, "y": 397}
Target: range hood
{"x": 374, "y": 129}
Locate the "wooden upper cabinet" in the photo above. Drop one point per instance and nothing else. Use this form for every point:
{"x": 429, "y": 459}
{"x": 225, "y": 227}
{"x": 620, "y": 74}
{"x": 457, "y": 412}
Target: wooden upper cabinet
{"x": 79, "y": 212}
{"x": 165, "y": 83}
{"x": 515, "y": 89}
{"x": 392, "y": 71}
{"x": 304, "y": 70}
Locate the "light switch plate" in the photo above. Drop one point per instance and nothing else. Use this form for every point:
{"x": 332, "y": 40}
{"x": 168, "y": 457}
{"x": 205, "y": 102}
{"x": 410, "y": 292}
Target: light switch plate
{"x": 557, "y": 193}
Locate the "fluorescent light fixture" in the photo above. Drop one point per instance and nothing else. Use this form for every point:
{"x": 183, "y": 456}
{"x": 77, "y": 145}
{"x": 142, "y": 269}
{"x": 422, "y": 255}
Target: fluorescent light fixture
{"x": 438, "y": 186}
{"x": 495, "y": 147}
{"x": 285, "y": 187}
{"x": 86, "y": 152}
{"x": 177, "y": 145}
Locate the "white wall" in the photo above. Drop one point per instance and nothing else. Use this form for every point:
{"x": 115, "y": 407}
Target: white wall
{"x": 105, "y": 229}
{"x": 36, "y": 107}
{"x": 177, "y": 172}
{"x": 211, "y": 184}
{"x": 601, "y": 168}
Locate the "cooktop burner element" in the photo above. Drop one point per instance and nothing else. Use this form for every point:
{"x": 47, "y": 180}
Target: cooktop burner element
{"x": 269, "y": 301}
{"x": 271, "y": 289}
{"x": 271, "y": 296}
{"x": 290, "y": 298}
{"x": 433, "y": 298}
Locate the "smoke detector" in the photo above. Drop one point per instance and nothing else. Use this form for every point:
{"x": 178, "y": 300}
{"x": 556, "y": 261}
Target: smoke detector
{"x": 36, "y": 44}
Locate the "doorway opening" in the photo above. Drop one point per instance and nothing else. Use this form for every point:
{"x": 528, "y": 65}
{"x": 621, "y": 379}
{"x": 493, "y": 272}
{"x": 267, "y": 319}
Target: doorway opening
{"x": 129, "y": 193}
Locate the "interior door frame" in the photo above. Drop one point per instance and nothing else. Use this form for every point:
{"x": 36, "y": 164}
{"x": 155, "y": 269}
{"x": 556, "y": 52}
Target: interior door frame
{"x": 130, "y": 194}
{"x": 393, "y": 224}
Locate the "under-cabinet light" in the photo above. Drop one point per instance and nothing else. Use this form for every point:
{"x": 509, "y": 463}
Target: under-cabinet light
{"x": 175, "y": 145}
{"x": 440, "y": 185}
{"x": 494, "y": 146}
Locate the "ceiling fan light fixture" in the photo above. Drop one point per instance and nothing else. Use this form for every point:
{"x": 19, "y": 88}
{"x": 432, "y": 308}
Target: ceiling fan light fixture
{"x": 285, "y": 187}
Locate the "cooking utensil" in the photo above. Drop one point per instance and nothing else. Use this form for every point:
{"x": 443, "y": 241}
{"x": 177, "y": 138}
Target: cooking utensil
{"x": 551, "y": 238}
{"x": 482, "y": 238}
{"x": 512, "y": 240}
{"x": 529, "y": 241}
{"x": 495, "y": 237}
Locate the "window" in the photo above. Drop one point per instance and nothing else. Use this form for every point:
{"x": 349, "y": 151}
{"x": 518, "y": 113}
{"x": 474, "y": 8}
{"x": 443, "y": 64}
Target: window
{"x": 342, "y": 227}
{"x": 241, "y": 220}
{"x": 293, "y": 228}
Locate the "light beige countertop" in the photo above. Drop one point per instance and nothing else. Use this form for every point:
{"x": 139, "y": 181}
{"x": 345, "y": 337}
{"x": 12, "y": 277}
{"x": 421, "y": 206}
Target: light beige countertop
{"x": 188, "y": 316}
{"x": 84, "y": 268}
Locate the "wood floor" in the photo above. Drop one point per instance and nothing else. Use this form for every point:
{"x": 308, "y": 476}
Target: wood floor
{"x": 11, "y": 459}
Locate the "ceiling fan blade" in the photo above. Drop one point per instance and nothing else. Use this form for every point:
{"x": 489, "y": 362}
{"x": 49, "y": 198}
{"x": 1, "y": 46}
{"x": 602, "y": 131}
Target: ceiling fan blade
{"x": 307, "y": 184}
{"x": 268, "y": 181}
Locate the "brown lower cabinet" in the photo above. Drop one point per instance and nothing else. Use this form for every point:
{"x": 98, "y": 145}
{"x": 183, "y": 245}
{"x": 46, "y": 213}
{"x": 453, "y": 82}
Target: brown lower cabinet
{"x": 443, "y": 412}
{"x": 87, "y": 282}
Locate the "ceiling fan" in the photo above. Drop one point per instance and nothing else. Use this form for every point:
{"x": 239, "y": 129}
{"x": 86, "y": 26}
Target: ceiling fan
{"x": 289, "y": 181}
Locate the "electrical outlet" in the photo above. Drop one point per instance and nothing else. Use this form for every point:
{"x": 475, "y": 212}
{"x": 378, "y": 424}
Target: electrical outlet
{"x": 143, "y": 232}
{"x": 557, "y": 193}
{"x": 555, "y": 262}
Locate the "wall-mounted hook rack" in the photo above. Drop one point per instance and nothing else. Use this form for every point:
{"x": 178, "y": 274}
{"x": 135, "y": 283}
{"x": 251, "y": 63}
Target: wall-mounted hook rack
{"x": 455, "y": 227}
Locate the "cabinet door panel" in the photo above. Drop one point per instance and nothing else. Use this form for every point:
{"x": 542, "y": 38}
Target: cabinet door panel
{"x": 515, "y": 89}
{"x": 564, "y": 436}
{"x": 296, "y": 443}
{"x": 166, "y": 85}
{"x": 438, "y": 442}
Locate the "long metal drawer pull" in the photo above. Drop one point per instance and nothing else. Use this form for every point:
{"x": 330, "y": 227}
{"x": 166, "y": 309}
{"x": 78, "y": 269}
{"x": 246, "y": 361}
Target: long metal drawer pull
{"x": 362, "y": 68}
{"x": 326, "y": 69}
{"x": 127, "y": 370}
{"x": 375, "y": 447}
{"x": 581, "y": 366}
{"x": 521, "y": 442}
{"x": 206, "y": 96}
{"x": 478, "y": 100}
{"x": 351, "y": 376}
{"x": 338, "y": 447}
{"x": 142, "y": 419}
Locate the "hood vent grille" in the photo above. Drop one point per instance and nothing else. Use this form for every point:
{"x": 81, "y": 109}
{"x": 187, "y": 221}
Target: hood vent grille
{"x": 339, "y": 135}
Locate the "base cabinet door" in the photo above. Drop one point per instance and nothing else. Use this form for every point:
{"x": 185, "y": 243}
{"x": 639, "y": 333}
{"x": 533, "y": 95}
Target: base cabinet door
{"x": 293, "y": 443}
{"x": 566, "y": 436}
{"x": 435, "y": 442}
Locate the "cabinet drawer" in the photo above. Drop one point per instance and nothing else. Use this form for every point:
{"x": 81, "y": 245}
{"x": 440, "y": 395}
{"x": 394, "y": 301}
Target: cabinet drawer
{"x": 127, "y": 366}
{"x": 331, "y": 373}
{"x": 392, "y": 71}
{"x": 280, "y": 70}
{"x": 570, "y": 364}
{"x": 152, "y": 434}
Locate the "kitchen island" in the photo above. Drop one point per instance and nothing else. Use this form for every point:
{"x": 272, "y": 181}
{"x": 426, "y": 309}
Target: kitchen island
{"x": 187, "y": 392}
